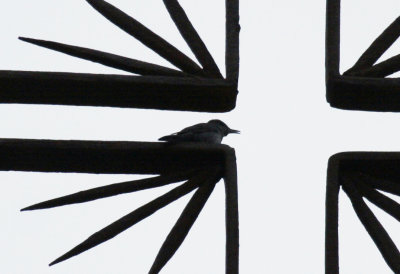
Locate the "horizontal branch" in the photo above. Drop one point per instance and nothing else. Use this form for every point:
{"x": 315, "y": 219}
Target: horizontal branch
{"x": 146, "y": 36}
{"x": 83, "y": 89}
{"x": 364, "y": 93}
{"x": 107, "y": 157}
{"x": 192, "y": 38}
{"x": 107, "y": 59}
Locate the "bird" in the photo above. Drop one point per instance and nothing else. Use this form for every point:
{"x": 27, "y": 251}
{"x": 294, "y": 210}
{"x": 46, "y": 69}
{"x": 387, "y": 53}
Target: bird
{"x": 211, "y": 132}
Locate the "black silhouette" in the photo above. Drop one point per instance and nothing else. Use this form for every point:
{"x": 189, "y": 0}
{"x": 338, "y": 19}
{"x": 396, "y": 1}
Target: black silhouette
{"x": 363, "y": 86}
{"x": 360, "y": 175}
{"x": 212, "y": 132}
{"x": 188, "y": 87}
{"x": 199, "y": 166}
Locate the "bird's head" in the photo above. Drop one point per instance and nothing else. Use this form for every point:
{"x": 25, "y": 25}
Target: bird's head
{"x": 223, "y": 127}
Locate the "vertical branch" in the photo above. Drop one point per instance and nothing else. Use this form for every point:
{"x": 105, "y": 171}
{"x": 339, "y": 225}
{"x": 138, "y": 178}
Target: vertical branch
{"x": 332, "y": 42}
{"x": 332, "y": 217}
{"x": 232, "y": 214}
{"x": 232, "y": 40}
{"x": 191, "y": 37}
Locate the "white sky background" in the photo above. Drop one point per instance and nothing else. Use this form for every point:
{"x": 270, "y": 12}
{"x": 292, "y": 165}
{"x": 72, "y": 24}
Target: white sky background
{"x": 288, "y": 134}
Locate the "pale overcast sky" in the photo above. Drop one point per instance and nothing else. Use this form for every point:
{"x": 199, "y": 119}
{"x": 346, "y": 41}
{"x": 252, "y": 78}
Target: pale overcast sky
{"x": 288, "y": 134}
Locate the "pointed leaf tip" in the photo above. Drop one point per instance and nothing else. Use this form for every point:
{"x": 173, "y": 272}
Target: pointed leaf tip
{"x": 146, "y": 36}
{"x": 25, "y": 39}
{"x": 53, "y": 263}
{"x": 62, "y": 258}
{"x": 30, "y": 208}
{"x": 129, "y": 220}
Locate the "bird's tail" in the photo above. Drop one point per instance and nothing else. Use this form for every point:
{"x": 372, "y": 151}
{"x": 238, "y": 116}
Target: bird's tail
{"x": 168, "y": 138}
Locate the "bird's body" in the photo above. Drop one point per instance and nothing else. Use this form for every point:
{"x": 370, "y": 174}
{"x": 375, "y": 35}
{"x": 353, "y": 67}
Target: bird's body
{"x": 211, "y": 132}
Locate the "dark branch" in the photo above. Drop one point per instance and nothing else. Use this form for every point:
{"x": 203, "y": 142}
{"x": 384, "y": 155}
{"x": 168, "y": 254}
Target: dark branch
{"x": 377, "y": 48}
{"x": 232, "y": 40}
{"x": 332, "y": 216}
{"x": 380, "y": 200}
{"x": 382, "y": 184}
{"x": 83, "y": 89}
{"x": 111, "y": 190}
{"x": 182, "y": 227}
{"x": 146, "y": 36}
{"x": 332, "y": 42}
{"x": 378, "y": 234}
{"x": 231, "y": 214}
{"x": 191, "y": 37}
{"x": 107, "y": 59}
{"x": 382, "y": 69}
{"x": 129, "y": 220}
{"x": 107, "y": 157}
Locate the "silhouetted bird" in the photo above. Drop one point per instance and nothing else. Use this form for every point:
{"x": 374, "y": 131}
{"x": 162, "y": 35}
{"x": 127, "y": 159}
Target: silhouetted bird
{"x": 211, "y": 132}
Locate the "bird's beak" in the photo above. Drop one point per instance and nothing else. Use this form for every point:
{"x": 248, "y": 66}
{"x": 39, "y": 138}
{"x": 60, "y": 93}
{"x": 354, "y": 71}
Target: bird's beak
{"x": 234, "y": 131}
